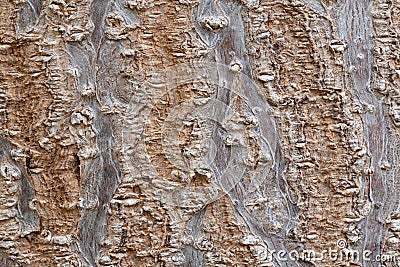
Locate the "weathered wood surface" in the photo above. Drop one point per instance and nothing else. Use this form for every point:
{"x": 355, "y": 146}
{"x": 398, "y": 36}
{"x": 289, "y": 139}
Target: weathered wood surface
{"x": 198, "y": 132}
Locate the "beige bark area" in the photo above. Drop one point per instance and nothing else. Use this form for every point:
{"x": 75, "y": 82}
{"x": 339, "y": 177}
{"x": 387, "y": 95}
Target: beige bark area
{"x": 199, "y": 133}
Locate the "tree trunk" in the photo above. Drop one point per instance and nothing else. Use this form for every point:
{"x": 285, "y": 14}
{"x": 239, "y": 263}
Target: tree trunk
{"x": 199, "y": 133}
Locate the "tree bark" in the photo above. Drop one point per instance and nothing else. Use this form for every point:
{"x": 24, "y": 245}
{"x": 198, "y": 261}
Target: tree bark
{"x": 199, "y": 133}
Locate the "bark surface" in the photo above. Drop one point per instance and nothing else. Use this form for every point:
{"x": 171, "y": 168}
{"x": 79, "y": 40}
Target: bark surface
{"x": 199, "y": 133}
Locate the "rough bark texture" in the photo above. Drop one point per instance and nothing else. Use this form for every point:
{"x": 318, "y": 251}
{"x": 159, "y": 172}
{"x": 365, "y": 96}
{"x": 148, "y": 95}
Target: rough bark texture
{"x": 198, "y": 132}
